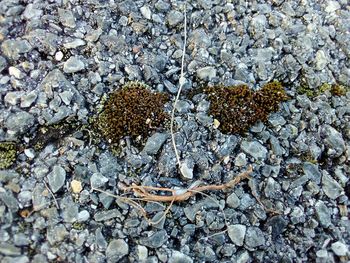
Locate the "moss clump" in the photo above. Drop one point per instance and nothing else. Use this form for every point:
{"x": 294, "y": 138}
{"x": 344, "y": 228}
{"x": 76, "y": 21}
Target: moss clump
{"x": 8, "y": 154}
{"x": 237, "y": 107}
{"x": 131, "y": 111}
{"x": 338, "y": 90}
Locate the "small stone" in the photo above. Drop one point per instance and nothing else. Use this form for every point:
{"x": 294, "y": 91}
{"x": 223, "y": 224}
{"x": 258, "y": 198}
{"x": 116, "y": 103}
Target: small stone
{"x": 340, "y": 249}
{"x": 243, "y": 258}
{"x": 174, "y": 17}
{"x": 3, "y": 63}
{"x": 28, "y": 99}
{"x": 107, "y": 215}
{"x": 76, "y": 186}
{"x": 241, "y": 160}
{"x": 233, "y": 200}
{"x": 332, "y": 6}
{"x": 255, "y": 149}
{"x": 237, "y": 234}
{"x": 97, "y": 180}
{"x": 142, "y": 253}
{"x": 29, "y": 153}
{"x": 254, "y": 237}
{"x": 323, "y": 213}
{"x": 32, "y": 12}
{"x": 15, "y": 72}
{"x": 73, "y": 64}
{"x": 83, "y": 216}
{"x": 19, "y": 122}
{"x": 14, "y": 48}
{"x": 278, "y": 224}
{"x": 66, "y": 96}
{"x": 66, "y": 18}
{"x": 178, "y": 257}
{"x": 334, "y": 140}
{"x": 116, "y": 250}
{"x": 59, "y": 56}
{"x": 187, "y": 169}
{"x": 206, "y": 73}
{"x": 9, "y": 250}
{"x": 146, "y": 12}
{"x": 156, "y": 240}
{"x": 321, "y": 60}
{"x": 216, "y": 124}
{"x": 331, "y": 187}
{"x": 57, "y": 178}
{"x": 13, "y": 97}
{"x": 74, "y": 44}
{"x": 155, "y": 142}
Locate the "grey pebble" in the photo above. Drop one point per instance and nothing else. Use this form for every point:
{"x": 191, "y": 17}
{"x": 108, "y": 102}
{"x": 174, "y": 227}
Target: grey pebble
{"x": 155, "y": 142}
{"x": 13, "y": 48}
{"x": 206, "y": 73}
{"x": 9, "y": 250}
{"x": 334, "y": 140}
{"x": 106, "y": 215}
{"x": 19, "y": 122}
{"x": 57, "y": 178}
{"x": 237, "y": 233}
{"x": 97, "y": 180}
{"x": 156, "y": 240}
{"x": 178, "y": 257}
{"x": 174, "y": 18}
{"x": 73, "y": 64}
{"x": 340, "y": 249}
{"x": 28, "y": 99}
{"x": 83, "y": 216}
{"x": 255, "y": 149}
{"x": 3, "y": 63}
{"x": 331, "y": 187}
{"x": 233, "y": 200}
{"x": 66, "y": 17}
{"x": 116, "y": 250}
{"x": 323, "y": 213}
{"x": 254, "y": 237}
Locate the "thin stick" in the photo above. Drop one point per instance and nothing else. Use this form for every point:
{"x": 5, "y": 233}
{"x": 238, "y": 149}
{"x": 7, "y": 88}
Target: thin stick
{"x": 181, "y": 82}
{"x": 54, "y": 198}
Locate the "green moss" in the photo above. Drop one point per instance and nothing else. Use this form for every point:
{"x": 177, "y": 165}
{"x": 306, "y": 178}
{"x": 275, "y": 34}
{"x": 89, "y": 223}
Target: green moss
{"x": 8, "y": 154}
{"x": 134, "y": 110}
{"x": 237, "y": 108}
{"x": 334, "y": 89}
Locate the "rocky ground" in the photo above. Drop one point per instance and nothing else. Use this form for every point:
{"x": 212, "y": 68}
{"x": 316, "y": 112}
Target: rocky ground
{"x": 58, "y": 59}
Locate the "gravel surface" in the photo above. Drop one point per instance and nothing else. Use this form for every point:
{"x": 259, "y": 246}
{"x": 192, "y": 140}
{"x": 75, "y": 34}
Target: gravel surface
{"x": 59, "y": 59}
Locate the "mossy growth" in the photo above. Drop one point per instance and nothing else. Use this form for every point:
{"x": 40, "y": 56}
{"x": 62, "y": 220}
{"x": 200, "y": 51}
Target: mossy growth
{"x": 237, "y": 107}
{"x": 134, "y": 110}
{"x": 334, "y": 89}
{"x": 8, "y": 154}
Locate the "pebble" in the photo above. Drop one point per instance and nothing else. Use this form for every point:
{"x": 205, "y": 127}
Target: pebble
{"x": 76, "y": 186}
{"x": 241, "y": 160}
{"x": 174, "y": 18}
{"x": 331, "y": 187}
{"x": 178, "y": 257}
{"x": 83, "y": 216}
{"x": 206, "y": 73}
{"x": 19, "y": 122}
{"x": 237, "y": 234}
{"x": 323, "y": 213}
{"x": 334, "y": 140}
{"x": 74, "y": 44}
{"x": 187, "y": 169}
{"x": 106, "y": 215}
{"x": 97, "y": 180}
{"x": 142, "y": 253}
{"x": 13, "y": 49}
{"x": 9, "y": 250}
{"x": 255, "y": 149}
{"x": 59, "y": 56}
{"x": 146, "y": 12}
{"x": 3, "y": 63}
{"x": 254, "y": 237}
{"x": 340, "y": 249}
{"x": 28, "y": 99}
{"x": 321, "y": 60}
{"x": 116, "y": 250}
{"x": 155, "y": 142}
{"x": 332, "y": 6}
{"x": 13, "y": 97}
{"x": 233, "y": 200}
{"x": 15, "y": 72}
{"x": 73, "y": 64}
{"x": 66, "y": 18}
{"x": 57, "y": 178}
{"x": 156, "y": 240}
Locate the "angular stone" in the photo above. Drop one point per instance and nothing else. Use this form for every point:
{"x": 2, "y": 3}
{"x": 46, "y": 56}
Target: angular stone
{"x": 73, "y": 64}
{"x": 255, "y": 149}
{"x": 57, "y": 178}
{"x": 331, "y": 187}
{"x": 155, "y": 142}
{"x": 66, "y": 17}
{"x": 116, "y": 250}
{"x": 323, "y": 213}
{"x": 237, "y": 234}
{"x": 206, "y": 73}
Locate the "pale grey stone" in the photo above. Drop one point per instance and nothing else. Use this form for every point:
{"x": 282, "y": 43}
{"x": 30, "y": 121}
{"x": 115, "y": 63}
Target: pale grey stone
{"x": 255, "y": 149}
{"x": 340, "y": 249}
{"x": 67, "y": 18}
{"x": 206, "y": 73}
{"x": 57, "y": 178}
{"x": 116, "y": 250}
{"x": 237, "y": 233}
{"x": 73, "y": 64}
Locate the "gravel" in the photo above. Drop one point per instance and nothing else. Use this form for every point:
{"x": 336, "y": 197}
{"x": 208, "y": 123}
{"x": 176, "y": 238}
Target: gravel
{"x": 61, "y": 59}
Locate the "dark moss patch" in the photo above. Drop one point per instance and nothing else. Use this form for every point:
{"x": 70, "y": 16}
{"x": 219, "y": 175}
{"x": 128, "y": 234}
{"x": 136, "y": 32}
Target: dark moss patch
{"x": 8, "y": 154}
{"x": 237, "y": 107}
{"x": 133, "y": 111}
{"x": 334, "y": 89}
{"x": 53, "y": 133}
